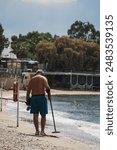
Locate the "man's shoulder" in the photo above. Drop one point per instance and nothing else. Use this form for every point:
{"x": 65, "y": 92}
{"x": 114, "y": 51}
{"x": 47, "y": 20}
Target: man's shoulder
{"x": 34, "y": 78}
{"x": 44, "y": 78}
{"x": 39, "y": 77}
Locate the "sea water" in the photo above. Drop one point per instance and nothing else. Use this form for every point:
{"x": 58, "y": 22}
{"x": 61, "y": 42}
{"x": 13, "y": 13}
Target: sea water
{"x": 77, "y": 117}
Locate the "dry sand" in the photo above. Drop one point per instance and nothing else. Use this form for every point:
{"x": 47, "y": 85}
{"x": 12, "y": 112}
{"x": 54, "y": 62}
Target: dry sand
{"x": 9, "y": 93}
{"x": 23, "y": 138}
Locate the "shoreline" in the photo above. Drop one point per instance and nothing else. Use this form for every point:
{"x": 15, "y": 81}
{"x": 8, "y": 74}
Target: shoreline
{"x": 22, "y": 137}
{"x": 54, "y": 92}
{"x": 73, "y": 92}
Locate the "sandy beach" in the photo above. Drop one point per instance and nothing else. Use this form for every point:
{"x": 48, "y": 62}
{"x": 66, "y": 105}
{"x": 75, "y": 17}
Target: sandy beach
{"x": 23, "y": 138}
{"x": 9, "y": 93}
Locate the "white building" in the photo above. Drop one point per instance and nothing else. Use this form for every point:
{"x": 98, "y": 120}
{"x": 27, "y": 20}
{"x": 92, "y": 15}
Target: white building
{"x": 7, "y": 53}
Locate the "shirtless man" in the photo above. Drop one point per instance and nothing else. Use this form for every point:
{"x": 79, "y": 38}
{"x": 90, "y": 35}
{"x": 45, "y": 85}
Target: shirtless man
{"x": 37, "y": 87}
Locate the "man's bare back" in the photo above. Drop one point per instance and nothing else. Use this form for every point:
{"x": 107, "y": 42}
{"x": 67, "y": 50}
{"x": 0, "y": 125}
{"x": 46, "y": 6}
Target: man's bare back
{"x": 38, "y": 85}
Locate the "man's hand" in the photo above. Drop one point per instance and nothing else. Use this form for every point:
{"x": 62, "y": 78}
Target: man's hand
{"x": 28, "y": 101}
{"x": 49, "y": 97}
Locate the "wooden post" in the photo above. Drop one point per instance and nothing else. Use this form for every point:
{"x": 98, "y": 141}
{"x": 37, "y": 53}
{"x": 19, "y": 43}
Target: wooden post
{"x": 16, "y": 98}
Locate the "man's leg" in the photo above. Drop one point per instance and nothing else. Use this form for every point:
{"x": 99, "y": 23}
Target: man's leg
{"x": 43, "y": 122}
{"x": 36, "y": 123}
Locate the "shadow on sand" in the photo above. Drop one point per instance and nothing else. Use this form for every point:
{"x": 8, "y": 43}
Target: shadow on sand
{"x": 47, "y": 135}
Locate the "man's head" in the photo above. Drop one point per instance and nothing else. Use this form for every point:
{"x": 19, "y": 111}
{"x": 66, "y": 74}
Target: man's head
{"x": 39, "y": 71}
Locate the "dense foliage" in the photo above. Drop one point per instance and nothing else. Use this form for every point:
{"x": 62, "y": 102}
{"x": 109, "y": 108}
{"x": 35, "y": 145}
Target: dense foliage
{"x": 85, "y": 31}
{"x": 79, "y": 51}
{"x": 3, "y": 41}
{"x": 66, "y": 54}
{"x": 24, "y": 45}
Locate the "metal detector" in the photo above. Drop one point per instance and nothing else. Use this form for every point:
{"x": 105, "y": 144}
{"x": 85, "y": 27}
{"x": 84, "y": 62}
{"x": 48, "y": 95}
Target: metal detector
{"x": 53, "y": 118}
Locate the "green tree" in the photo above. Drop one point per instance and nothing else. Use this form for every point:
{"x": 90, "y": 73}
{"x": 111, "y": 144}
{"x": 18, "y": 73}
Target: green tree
{"x": 66, "y": 54}
{"x": 24, "y": 45}
{"x": 77, "y": 55}
{"x": 47, "y": 54}
{"x": 85, "y": 31}
{"x": 71, "y": 59}
{"x": 92, "y": 59}
{"x": 4, "y": 42}
{"x": 63, "y": 42}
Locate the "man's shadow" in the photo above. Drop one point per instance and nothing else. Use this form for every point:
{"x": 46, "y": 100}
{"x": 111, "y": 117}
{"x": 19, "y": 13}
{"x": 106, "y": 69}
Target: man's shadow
{"x": 47, "y": 135}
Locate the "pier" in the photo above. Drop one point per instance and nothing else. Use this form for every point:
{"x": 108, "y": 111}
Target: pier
{"x": 71, "y": 80}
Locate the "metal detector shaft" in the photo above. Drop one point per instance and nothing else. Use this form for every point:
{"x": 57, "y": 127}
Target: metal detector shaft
{"x": 53, "y": 118}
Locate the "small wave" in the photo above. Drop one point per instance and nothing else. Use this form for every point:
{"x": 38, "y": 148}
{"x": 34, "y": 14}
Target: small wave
{"x": 87, "y": 127}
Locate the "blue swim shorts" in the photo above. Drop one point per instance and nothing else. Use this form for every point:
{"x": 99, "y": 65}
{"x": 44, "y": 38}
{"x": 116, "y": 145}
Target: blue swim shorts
{"x": 39, "y": 104}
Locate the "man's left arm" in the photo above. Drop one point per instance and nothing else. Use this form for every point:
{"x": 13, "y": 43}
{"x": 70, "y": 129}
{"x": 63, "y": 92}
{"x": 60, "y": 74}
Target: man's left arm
{"x": 28, "y": 92}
